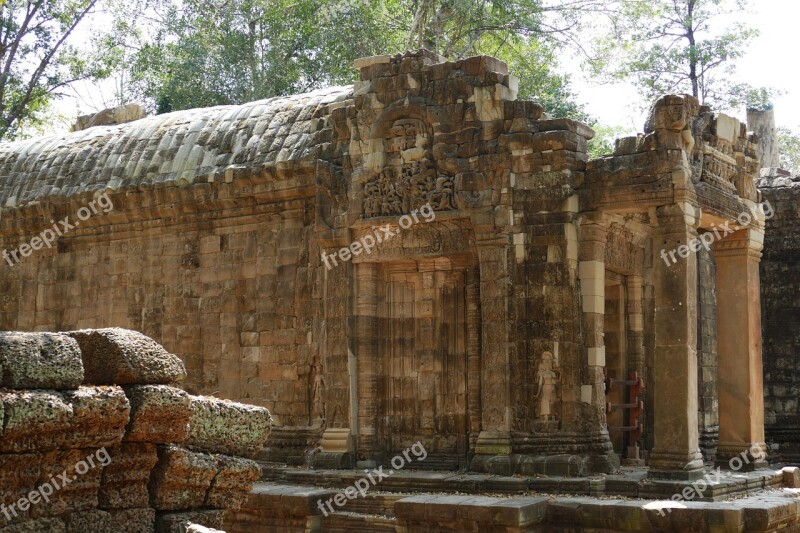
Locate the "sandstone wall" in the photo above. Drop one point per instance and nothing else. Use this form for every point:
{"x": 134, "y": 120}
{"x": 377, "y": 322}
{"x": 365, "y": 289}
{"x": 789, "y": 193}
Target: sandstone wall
{"x": 215, "y": 293}
{"x": 780, "y": 303}
{"x": 96, "y": 437}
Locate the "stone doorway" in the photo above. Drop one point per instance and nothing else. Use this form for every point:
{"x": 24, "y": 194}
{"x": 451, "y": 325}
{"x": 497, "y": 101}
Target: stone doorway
{"x": 624, "y": 364}
{"x": 422, "y": 361}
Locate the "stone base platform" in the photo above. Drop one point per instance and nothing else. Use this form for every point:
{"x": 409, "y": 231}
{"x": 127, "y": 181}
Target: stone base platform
{"x": 274, "y": 507}
{"x": 629, "y": 482}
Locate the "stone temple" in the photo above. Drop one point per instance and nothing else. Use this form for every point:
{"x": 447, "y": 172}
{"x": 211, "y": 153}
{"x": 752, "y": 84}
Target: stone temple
{"x": 421, "y": 258}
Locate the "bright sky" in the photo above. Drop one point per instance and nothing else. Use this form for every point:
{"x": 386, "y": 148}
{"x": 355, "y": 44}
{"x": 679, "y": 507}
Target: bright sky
{"x": 771, "y": 61}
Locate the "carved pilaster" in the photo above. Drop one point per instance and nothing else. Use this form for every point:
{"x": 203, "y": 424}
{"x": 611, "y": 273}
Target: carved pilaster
{"x": 676, "y": 454}
{"x": 741, "y": 387}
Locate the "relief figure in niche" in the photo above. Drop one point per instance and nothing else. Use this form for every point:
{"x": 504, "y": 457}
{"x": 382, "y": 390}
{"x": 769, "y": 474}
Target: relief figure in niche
{"x": 409, "y": 179}
{"x": 317, "y": 385}
{"x": 548, "y": 378}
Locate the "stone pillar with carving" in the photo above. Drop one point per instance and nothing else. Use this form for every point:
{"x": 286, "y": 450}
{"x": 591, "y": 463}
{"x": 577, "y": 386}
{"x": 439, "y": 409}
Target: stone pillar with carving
{"x": 676, "y": 453}
{"x": 741, "y": 388}
{"x": 366, "y": 325}
{"x": 330, "y": 380}
{"x": 496, "y": 347}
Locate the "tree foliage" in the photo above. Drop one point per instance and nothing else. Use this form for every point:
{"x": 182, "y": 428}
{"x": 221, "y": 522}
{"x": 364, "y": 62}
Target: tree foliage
{"x": 789, "y": 146}
{"x": 676, "y": 46}
{"x": 38, "y": 60}
{"x": 209, "y": 53}
{"x": 228, "y": 52}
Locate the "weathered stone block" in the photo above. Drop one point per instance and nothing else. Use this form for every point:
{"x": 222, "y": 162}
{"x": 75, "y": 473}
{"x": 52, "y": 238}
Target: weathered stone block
{"x": 93, "y": 521}
{"x": 34, "y": 421}
{"x": 791, "y": 477}
{"x": 125, "y": 478}
{"x": 99, "y": 416}
{"x": 181, "y": 478}
{"x": 133, "y": 520}
{"x": 159, "y": 414}
{"x": 221, "y": 426}
{"x": 50, "y": 525}
{"x": 233, "y": 482}
{"x": 39, "y": 361}
{"x": 116, "y": 356}
{"x": 42, "y": 420}
{"x": 19, "y": 474}
{"x": 75, "y": 476}
{"x": 178, "y": 522}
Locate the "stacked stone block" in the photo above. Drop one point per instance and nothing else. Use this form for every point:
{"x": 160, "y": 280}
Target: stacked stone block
{"x": 97, "y": 415}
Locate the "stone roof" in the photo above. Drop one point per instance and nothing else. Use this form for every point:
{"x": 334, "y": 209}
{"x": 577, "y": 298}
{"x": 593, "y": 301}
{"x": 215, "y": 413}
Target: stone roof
{"x": 174, "y": 148}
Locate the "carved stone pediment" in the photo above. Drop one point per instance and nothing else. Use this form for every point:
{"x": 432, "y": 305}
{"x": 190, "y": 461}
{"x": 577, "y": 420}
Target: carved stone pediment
{"x": 409, "y": 178}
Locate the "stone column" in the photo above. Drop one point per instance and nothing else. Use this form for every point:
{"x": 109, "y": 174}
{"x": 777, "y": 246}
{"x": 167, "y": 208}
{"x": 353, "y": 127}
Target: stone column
{"x": 762, "y": 123}
{"x": 592, "y": 273}
{"x": 741, "y": 388}
{"x": 676, "y": 453}
{"x": 366, "y": 325}
{"x": 636, "y": 325}
{"x": 496, "y": 347}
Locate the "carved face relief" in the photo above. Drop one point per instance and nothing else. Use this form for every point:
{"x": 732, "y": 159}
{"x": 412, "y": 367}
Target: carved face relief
{"x": 409, "y": 178}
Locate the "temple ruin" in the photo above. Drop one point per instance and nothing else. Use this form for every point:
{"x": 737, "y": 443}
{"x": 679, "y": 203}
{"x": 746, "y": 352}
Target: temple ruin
{"x": 423, "y": 258}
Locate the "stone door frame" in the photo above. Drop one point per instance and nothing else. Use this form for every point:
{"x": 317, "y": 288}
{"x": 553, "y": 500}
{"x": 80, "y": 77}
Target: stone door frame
{"x": 369, "y": 276}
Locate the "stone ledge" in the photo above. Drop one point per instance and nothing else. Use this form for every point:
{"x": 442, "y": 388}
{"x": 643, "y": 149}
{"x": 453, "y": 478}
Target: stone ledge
{"x": 273, "y": 504}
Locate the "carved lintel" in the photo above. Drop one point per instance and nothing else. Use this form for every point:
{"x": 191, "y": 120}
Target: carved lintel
{"x": 409, "y": 178}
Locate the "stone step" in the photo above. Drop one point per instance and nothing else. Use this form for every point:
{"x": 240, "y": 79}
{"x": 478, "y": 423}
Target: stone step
{"x": 344, "y": 522}
{"x": 291, "y": 446}
{"x": 283, "y": 508}
{"x": 629, "y": 483}
{"x": 374, "y": 504}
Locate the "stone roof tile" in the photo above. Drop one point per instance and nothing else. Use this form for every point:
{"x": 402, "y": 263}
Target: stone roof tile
{"x": 182, "y": 147}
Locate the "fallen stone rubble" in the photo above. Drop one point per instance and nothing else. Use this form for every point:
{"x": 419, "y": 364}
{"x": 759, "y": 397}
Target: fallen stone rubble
{"x": 100, "y": 411}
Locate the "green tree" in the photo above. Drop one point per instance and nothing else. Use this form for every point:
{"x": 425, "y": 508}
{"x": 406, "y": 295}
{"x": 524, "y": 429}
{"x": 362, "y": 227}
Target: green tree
{"x": 37, "y": 60}
{"x": 604, "y": 139}
{"x": 676, "y": 46}
{"x": 210, "y": 53}
{"x": 789, "y": 146}
{"x": 228, "y": 52}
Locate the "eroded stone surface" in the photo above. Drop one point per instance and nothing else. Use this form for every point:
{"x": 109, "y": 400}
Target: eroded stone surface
{"x": 181, "y": 478}
{"x": 116, "y": 356}
{"x": 51, "y": 525}
{"x": 124, "y": 482}
{"x": 230, "y": 487}
{"x": 40, "y": 420}
{"x": 159, "y": 414}
{"x": 34, "y": 420}
{"x": 39, "y": 361}
{"x": 80, "y": 493}
{"x": 99, "y": 416}
{"x": 64, "y": 465}
{"x": 220, "y": 426}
